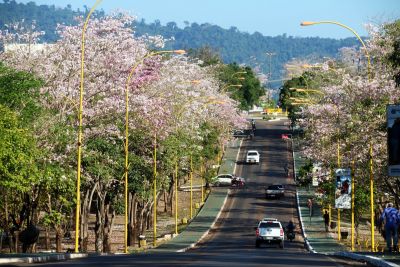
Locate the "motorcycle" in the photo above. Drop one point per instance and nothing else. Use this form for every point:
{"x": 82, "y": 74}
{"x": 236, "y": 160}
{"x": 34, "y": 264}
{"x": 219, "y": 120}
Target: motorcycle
{"x": 238, "y": 182}
{"x": 290, "y": 235}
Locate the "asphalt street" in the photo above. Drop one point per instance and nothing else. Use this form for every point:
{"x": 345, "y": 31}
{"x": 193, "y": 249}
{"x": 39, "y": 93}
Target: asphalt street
{"x": 232, "y": 240}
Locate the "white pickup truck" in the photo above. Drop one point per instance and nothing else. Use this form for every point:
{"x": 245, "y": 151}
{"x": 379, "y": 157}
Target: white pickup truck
{"x": 270, "y": 231}
{"x": 275, "y": 191}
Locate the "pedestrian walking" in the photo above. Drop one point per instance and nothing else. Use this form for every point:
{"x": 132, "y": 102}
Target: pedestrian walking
{"x": 310, "y": 207}
{"x": 391, "y": 218}
{"x": 286, "y": 168}
{"x": 326, "y": 220}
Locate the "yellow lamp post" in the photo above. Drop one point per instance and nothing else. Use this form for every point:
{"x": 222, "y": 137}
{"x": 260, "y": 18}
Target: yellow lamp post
{"x": 230, "y": 85}
{"x": 155, "y": 191}
{"x": 127, "y": 134}
{"x": 270, "y": 54}
{"x": 78, "y": 180}
{"x": 353, "y": 176}
{"x": 309, "y": 23}
{"x": 239, "y": 72}
{"x": 176, "y": 171}
{"x": 210, "y": 101}
{"x": 306, "y": 90}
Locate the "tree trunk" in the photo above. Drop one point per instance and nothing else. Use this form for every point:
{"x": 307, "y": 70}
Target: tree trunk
{"x": 165, "y": 201}
{"x": 108, "y": 226}
{"x": 99, "y": 226}
{"x": 171, "y": 195}
{"x": 132, "y": 225}
{"x": 47, "y": 239}
{"x": 59, "y": 239}
{"x": 6, "y": 225}
{"x": 85, "y": 208}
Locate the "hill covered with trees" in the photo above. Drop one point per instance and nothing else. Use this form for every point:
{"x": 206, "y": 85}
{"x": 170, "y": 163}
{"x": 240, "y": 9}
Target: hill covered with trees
{"x": 231, "y": 44}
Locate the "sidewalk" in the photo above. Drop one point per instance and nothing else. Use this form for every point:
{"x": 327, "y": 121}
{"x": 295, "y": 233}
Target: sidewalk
{"x": 314, "y": 226}
{"x": 317, "y": 240}
{"x": 209, "y": 213}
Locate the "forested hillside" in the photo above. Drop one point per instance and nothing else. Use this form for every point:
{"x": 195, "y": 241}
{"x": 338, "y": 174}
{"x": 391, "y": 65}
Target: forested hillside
{"x": 231, "y": 44}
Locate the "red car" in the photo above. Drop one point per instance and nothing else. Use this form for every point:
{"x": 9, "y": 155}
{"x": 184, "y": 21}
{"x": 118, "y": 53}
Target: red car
{"x": 237, "y": 182}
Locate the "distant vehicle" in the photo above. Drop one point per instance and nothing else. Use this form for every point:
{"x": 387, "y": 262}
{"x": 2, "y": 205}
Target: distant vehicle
{"x": 238, "y": 182}
{"x": 270, "y": 231}
{"x": 275, "y": 191}
{"x": 239, "y": 133}
{"x": 228, "y": 180}
{"x": 253, "y": 157}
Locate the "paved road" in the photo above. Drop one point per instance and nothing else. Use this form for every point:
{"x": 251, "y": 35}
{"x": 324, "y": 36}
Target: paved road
{"x": 232, "y": 241}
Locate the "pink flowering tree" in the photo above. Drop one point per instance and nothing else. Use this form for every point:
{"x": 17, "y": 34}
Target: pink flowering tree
{"x": 162, "y": 104}
{"x": 348, "y": 117}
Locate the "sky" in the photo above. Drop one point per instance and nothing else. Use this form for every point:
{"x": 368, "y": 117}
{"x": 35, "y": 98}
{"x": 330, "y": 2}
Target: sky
{"x": 269, "y": 17}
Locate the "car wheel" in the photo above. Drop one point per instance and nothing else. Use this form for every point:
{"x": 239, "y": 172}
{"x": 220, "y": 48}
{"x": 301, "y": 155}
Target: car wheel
{"x": 281, "y": 244}
{"x": 257, "y": 244}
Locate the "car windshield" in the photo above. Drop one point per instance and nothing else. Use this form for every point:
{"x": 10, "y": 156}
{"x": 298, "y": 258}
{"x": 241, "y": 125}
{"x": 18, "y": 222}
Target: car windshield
{"x": 225, "y": 176}
{"x": 252, "y": 153}
{"x": 270, "y": 225}
{"x": 275, "y": 187}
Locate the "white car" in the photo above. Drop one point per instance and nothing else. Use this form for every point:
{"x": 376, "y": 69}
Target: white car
{"x": 223, "y": 179}
{"x": 270, "y": 231}
{"x": 253, "y": 157}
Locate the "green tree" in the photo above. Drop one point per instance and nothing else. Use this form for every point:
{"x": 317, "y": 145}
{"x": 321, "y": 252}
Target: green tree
{"x": 18, "y": 172}
{"x": 250, "y": 91}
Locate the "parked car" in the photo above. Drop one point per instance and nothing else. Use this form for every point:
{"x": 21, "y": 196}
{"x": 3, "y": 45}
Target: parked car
{"x": 270, "y": 231}
{"x": 253, "y": 157}
{"x": 275, "y": 191}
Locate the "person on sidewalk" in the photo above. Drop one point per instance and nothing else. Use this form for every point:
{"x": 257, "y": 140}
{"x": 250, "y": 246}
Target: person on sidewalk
{"x": 391, "y": 218}
{"x": 326, "y": 220}
{"x": 310, "y": 207}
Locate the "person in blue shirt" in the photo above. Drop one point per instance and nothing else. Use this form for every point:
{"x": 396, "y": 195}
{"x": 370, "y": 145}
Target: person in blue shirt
{"x": 391, "y": 218}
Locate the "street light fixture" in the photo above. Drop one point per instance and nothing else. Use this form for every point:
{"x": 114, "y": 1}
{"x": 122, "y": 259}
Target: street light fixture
{"x": 270, "y": 54}
{"x": 239, "y": 72}
{"x": 310, "y": 23}
{"x": 78, "y": 180}
{"x": 230, "y": 85}
{"x": 126, "y": 143}
{"x": 306, "y": 90}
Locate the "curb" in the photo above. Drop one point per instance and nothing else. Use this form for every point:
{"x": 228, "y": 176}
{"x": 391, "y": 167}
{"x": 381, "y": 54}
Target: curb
{"x": 43, "y": 258}
{"x": 307, "y": 244}
{"x": 369, "y": 259}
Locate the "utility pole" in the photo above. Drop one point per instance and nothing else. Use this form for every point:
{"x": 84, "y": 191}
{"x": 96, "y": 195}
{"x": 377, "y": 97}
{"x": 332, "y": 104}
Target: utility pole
{"x": 270, "y": 54}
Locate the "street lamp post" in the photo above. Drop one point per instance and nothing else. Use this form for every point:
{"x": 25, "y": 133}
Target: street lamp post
{"x": 230, "y": 85}
{"x": 309, "y": 23}
{"x": 306, "y": 90}
{"x": 127, "y": 133}
{"x": 270, "y": 54}
{"x": 78, "y": 180}
{"x": 239, "y": 72}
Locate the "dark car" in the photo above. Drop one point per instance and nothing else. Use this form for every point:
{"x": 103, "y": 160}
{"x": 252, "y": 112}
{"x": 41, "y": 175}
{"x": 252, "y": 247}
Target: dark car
{"x": 275, "y": 191}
